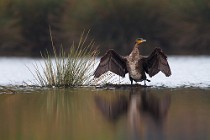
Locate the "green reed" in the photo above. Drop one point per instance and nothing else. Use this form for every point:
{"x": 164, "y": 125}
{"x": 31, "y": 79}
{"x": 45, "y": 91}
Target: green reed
{"x": 70, "y": 68}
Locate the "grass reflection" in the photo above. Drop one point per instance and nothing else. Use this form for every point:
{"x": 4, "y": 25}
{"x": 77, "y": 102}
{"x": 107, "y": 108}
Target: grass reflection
{"x": 87, "y": 113}
{"x": 58, "y": 106}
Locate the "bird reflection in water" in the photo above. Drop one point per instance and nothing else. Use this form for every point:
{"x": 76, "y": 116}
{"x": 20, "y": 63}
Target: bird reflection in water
{"x": 145, "y": 111}
{"x": 112, "y": 108}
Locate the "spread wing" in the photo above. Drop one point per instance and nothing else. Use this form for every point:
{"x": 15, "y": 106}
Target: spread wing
{"x": 157, "y": 61}
{"x": 113, "y": 62}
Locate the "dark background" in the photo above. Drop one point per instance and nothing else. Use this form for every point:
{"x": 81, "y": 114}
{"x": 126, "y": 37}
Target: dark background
{"x": 177, "y": 26}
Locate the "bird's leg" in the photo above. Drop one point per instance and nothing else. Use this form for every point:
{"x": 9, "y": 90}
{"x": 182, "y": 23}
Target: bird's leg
{"x": 145, "y": 83}
{"x": 131, "y": 80}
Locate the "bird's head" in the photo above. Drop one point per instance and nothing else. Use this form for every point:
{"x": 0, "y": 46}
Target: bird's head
{"x": 140, "y": 40}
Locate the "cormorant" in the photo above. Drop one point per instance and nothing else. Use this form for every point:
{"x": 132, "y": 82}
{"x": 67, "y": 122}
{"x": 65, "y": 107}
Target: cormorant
{"x": 135, "y": 64}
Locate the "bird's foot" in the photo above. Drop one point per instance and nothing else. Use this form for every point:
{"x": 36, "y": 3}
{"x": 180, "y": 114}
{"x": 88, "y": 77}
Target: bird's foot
{"x": 145, "y": 82}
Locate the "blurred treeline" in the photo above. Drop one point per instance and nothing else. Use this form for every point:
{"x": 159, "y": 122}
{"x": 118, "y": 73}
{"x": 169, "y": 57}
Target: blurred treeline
{"x": 178, "y": 26}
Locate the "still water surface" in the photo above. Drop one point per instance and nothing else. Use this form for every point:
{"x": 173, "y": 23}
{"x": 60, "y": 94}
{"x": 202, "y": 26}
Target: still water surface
{"x": 88, "y": 113}
{"x": 187, "y": 71}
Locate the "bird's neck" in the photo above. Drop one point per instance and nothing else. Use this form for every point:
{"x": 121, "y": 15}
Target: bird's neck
{"x": 135, "y": 52}
{"x": 136, "y": 49}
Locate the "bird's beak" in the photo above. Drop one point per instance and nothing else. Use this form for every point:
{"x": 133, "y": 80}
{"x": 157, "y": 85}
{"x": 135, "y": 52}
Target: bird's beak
{"x": 144, "y": 40}
{"x": 140, "y": 41}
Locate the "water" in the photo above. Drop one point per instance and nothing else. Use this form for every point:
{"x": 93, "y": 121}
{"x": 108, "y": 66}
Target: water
{"x": 173, "y": 108}
{"x": 187, "y": 71}
{"x": 88, "y": 113}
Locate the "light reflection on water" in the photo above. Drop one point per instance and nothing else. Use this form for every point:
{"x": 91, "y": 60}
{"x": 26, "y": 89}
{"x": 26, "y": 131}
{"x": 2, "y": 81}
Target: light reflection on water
{"x": 132, "y": 114}
{"x": 187, "y": 71}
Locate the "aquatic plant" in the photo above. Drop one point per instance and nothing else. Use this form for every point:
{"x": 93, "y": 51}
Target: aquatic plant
{"x": 67, "y": 68}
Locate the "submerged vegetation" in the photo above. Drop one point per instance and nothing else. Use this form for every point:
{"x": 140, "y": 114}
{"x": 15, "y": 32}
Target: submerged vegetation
{"x": 67, "y": 67}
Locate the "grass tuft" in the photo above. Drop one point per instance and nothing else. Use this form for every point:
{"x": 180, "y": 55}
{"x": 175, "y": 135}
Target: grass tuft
{"x": 70, "y": 68}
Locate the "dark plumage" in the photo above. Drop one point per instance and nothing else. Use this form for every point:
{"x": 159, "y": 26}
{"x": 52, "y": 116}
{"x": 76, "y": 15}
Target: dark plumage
{"x": 135, "y": 64}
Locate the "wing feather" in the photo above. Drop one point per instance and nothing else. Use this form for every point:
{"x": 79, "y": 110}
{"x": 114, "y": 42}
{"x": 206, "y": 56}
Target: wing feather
{"x": 157, "y": 61}
{"x": 113, "y": 62}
